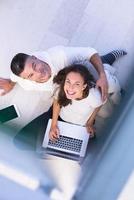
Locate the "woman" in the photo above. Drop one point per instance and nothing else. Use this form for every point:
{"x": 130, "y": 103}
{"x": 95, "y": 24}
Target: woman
{"x": 76, "y": 99}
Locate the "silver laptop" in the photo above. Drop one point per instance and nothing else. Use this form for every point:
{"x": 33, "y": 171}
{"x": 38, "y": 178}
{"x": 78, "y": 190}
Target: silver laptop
{"x": 71, "y": 144}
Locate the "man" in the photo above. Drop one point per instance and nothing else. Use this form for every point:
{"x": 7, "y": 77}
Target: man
{"x": 36, "y": 71}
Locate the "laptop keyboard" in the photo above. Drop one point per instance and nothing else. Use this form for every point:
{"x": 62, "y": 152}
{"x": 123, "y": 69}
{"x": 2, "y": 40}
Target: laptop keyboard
{"x": 67, "y": 143}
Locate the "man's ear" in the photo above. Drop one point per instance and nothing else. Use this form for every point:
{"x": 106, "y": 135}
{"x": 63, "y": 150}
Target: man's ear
{"x": 34, "y": 57}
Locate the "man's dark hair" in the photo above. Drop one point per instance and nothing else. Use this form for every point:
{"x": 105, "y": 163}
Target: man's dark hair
{"x": 60, "y": 80}
{"x": 18, "y": 63}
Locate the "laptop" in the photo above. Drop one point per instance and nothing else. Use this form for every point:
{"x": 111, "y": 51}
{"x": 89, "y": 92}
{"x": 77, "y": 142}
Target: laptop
{"x": 71, "y": 144}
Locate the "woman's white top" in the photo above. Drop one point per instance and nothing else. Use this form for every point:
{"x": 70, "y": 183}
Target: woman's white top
{"x": 80, "y": 110}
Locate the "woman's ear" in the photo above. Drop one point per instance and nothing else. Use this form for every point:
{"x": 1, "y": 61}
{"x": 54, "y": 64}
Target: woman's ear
{"x": 84, "y": 86}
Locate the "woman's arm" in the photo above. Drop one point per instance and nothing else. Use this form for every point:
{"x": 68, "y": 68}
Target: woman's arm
{"x": 90, "y": 122}
{"x": 54, "y": 130}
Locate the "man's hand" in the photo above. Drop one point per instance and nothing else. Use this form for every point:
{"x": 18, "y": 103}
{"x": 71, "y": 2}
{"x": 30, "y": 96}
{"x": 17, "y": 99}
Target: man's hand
{"x": 102, "y": 84}
{"x": 102, "y": 81}
{"x": 6, "y": 85}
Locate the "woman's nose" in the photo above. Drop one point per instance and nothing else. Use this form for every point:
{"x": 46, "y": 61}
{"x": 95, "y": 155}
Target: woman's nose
{"x": 71, "y": 86}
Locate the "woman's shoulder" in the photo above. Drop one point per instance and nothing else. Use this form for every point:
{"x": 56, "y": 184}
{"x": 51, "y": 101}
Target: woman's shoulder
{"x": 95, "y": 97}
{"x": 56, "y": 89}
{"x": 95, "y": 92}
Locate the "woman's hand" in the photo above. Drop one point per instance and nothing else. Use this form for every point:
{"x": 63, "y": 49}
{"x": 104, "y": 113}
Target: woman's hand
{"x": 90, "y": 129}
{"x": 54, "y": 133}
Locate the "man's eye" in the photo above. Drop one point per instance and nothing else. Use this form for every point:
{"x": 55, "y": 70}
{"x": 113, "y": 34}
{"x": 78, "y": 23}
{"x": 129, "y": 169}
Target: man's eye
{"x": 33, "y": 66}
{"x": 30, "y": 75}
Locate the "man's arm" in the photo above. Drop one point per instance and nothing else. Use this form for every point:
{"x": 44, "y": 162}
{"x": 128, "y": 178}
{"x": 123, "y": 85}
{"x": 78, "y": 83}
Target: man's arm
{"x": 102, "y": 81}
{"x": 6, "y": 85}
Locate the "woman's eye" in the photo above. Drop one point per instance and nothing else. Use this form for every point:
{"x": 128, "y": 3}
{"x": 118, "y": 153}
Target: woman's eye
{"x": 67, "y": 81}
{"x": 77, "y": 84}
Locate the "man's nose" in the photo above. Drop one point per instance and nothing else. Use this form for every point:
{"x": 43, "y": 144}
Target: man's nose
{"x": 33, "y": 78}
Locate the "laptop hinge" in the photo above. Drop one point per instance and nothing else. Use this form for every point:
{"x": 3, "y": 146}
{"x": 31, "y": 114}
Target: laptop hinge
{"x": 56, "y": 152}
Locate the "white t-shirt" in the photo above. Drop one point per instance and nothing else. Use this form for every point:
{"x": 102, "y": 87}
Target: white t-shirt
{"x": 80, "y": 110}
{"x": 113, "y": 83}
{"x": 57, "y": 58}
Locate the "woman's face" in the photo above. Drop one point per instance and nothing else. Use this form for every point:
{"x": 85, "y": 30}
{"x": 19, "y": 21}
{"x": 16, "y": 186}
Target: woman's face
{"x": 74, "y": 86}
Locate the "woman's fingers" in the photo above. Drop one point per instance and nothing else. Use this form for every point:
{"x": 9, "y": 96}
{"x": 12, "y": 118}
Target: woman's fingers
{"x": 91, "y": 130}
{"x": 54, "y": 134}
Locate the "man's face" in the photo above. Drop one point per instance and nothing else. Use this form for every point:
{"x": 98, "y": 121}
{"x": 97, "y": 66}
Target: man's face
{"x": 36, "y": 70}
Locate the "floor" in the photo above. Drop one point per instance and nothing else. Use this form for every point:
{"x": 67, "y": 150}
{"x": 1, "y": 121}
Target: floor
{"x": 37, "y": 25}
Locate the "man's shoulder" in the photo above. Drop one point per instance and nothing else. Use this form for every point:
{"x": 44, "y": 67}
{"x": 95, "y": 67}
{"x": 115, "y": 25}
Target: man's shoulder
{"x": 50, "y": 50}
